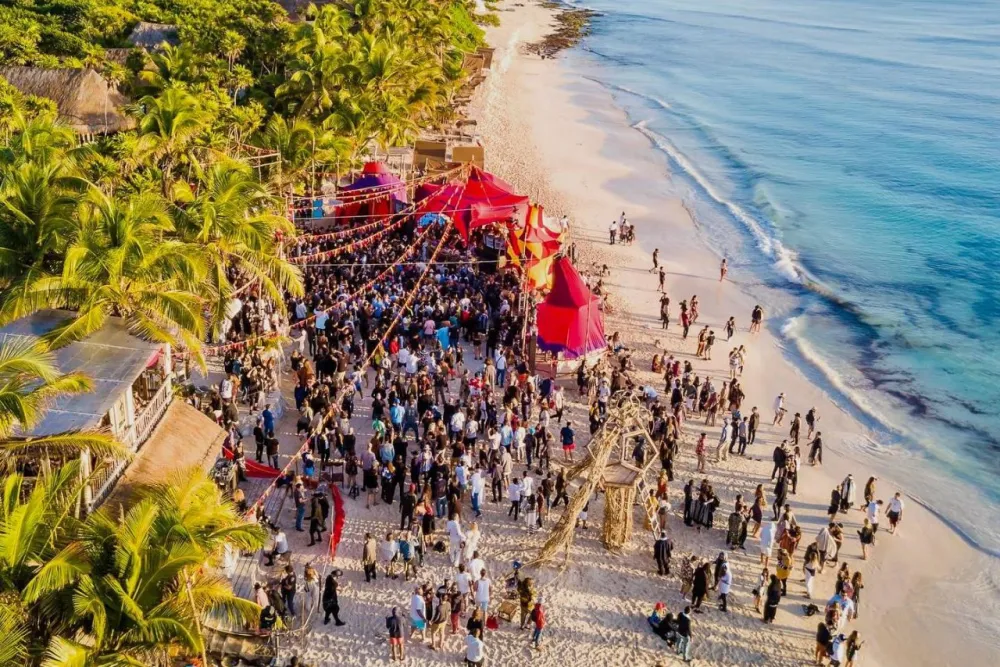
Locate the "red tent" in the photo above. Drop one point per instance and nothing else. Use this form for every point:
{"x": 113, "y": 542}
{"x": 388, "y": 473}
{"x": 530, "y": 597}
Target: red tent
{"x": 570, "y": 321}
{"x": 481, "y": 200}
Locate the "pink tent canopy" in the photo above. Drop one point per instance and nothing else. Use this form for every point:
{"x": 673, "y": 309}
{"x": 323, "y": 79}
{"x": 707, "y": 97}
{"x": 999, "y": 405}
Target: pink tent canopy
{"x": 570, "y": 321}
{"x": 374, "y": 193}
{"x": 483, "y": 199}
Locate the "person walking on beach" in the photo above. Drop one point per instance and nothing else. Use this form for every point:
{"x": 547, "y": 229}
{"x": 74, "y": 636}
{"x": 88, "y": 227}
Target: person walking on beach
{"x": 656, "y": 260}
{"x": 756, "y": 318}
{"x": 867, "y": 537}
{"x": 613, "y": 231}
{"x": 752, "y": 425}
{"x": 331, "y": 602}
{"x": 723, "y": 269}
{"x": 721, "y": 451}
{"x": 811, "y": 421}
{"x": 816, "y": 450}
{"x": 779, "y": 409}
{"x": 663, "y": 277}
{"x": 895, "y": 512}
{"x": 771, "y": 599}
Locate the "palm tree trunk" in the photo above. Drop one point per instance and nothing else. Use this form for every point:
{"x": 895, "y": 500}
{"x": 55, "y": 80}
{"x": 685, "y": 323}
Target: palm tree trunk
{"x": 197, "y": 618}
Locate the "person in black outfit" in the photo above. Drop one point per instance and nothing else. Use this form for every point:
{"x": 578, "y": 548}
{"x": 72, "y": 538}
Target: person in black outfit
{"x": 780, "y": 494}
{"x": 662, "y": 550}
{"x": 772, "y": 600}
{"x": 700, "y": 587}
{"x": 331, "y": 603}
{"x": 407, "y": 507}
{"x": 268, "y": 617}
{"x": 780, "y": 457}
{"x": 688, "y": 499}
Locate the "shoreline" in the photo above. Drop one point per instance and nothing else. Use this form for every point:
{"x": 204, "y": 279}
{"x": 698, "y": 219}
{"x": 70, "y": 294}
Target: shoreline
{"x": 580, "y": 142}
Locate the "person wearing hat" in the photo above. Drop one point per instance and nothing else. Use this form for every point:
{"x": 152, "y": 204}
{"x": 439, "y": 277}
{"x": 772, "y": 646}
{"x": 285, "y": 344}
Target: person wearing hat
{"x": 331, "y": 602}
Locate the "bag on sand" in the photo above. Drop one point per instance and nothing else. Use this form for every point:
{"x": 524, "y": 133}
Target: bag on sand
{"x": 492, "y": 622}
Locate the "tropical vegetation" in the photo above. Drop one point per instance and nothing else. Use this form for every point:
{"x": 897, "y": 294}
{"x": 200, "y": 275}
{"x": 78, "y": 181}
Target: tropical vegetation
{"x": 121, "y": 587}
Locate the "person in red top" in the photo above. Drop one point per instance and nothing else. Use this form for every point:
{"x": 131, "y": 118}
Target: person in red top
{"x": 538, "y": 618}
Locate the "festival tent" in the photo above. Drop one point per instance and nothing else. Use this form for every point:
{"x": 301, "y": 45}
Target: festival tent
{"x": 481, "y": 200}
{"x": 376, "y": 192}
{"x": 534, "y": 239}
{"x": 570, "y": 321}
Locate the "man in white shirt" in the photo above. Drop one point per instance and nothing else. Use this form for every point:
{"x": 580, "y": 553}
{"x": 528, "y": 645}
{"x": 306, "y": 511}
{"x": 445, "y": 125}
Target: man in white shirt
{"x": 321, "y": 317}
{"x": 872, "y": 512}
{"x": 895, "y": 512}
{"x": 418, "y": 614}
{"x": 457, "y": 425}
{"x": 478, "y": 491}
{"x": 527, "y": 485}
{"x": 455, "y": 537}
{"x": 411, "y": 365}
{"x": 389, "y": 552}
{"x": 463, "y": 581}
{"x": 779, "y": 409}
{"x": 477, "y": 566}
{"x": 402, "y": 357}
{"x": 475, "y": 650}
{"x": 483, "y": 593}
{"x": 514, "y": 496}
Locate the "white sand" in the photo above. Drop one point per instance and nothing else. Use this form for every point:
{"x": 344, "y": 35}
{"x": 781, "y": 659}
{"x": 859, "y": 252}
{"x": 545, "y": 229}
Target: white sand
{"x": 557, "y": 137}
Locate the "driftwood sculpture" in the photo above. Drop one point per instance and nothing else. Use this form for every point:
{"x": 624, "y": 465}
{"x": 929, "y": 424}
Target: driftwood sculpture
{"x": 607, "y": 461}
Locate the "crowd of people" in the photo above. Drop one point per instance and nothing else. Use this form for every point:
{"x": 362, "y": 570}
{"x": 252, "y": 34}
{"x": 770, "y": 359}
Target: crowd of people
{"x": 458, "y": 420}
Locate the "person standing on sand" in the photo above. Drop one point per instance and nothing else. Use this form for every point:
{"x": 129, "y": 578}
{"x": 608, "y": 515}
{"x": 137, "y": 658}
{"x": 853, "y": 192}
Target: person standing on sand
{"x": 395, "y": 628}
{"x": 567, "y": 436}
{"x": 730, "y": 328}
{"x": 656, "y": 260}
{"x": 816, "y": 450}
{"x": 767, "y": 539}
{"x": 812, "y": 419}
{"x": 795, "y": 428}
{"x": 662, "y": 275}
{"x": 721, "y": 451}
{"x": 723, "y": 269}
{"x": 613, "y": 230}
{"x": 752, "y": 425}
{"x": 756, "y": 318}
{"x": 662, "y": 549}
{"x": 867, "y": 537}
{"x": 684, "y": 634}
{"x": 700, "y": 452}
{"x": 665, "y": 311}
{"x": 869, "y": 492}
{"x": 771, "y": 599}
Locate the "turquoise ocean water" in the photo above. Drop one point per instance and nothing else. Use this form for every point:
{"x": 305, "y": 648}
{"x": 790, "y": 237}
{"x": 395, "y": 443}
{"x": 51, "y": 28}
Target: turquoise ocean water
{"x": 845, "y": 155}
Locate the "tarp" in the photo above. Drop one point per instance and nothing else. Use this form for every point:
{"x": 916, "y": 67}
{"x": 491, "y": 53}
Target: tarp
{"x": 374, "y": 193}
{"x": 570, "y": 321}
{"x": 481, "y": 200}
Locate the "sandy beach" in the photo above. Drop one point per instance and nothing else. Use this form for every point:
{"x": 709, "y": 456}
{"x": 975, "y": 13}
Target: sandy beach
{"x": 929, "y": 597}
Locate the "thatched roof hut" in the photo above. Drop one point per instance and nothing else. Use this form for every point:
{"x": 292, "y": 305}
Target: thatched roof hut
{"x": 151, "y": 36}
{"x": 87, "y": 102}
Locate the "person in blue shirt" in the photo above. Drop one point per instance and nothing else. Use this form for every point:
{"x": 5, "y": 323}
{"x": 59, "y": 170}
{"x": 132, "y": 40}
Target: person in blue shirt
{"x": 396, "y": 414}
{"x": 268, "y": 419}
{"x": 567, "y": 436}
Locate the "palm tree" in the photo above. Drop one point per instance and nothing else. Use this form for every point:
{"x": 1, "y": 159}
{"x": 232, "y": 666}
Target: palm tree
{"x": 29, "y": 381}
{"x": 37, "y": 205}
{"x": 118, "y": 590}
{"x": 119, "y": 262}
{"x": 168, "y": 127}
{"x": 140, "y": 582}
{"x": 230, "y": 220}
